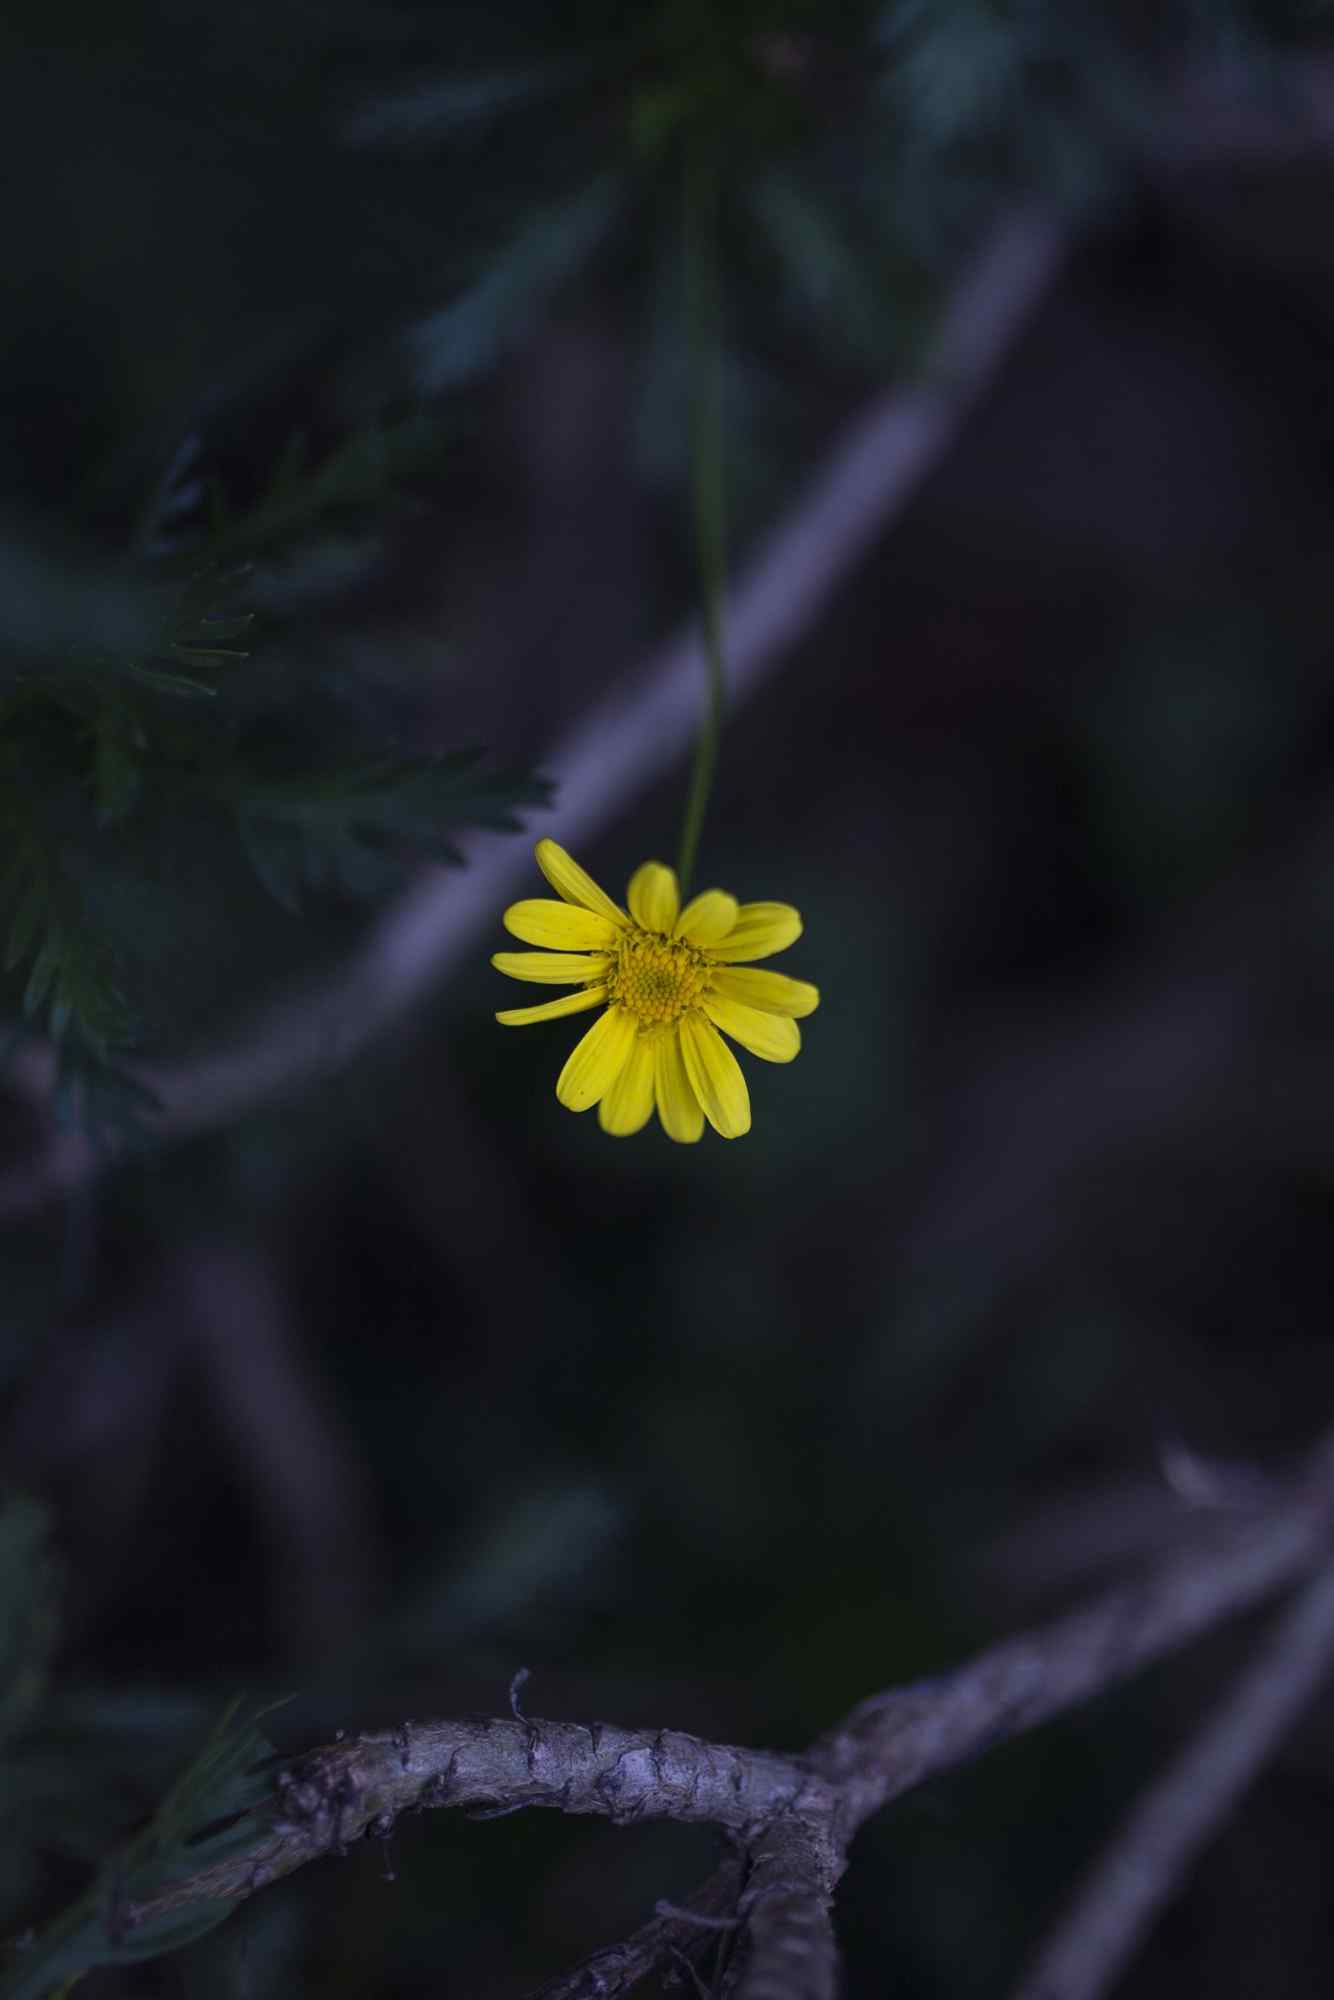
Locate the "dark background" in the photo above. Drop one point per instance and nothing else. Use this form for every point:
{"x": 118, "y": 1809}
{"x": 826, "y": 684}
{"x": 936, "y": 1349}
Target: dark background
{"x": 414, "y": 1379}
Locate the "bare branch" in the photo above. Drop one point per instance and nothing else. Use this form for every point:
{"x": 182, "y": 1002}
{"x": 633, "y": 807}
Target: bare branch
{"x": 1099, "y": 1531}
{"x": 1163, "y": 1834}
{"x": 893, "y": 1741}
{"x": 618, "y": 1968}
{"x": 496, "y": 1766}
{"x": 793, "y": 1817}
{"x": 788, "y": 1951}
{"x": 641, "y": 727}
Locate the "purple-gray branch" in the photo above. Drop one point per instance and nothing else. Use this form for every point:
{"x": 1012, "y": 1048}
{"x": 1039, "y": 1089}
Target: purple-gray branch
{"x": 894, "y": 1741}
{"x": 1166, "y": 1829}
{"x": 491, "y": 1766}
{"x": 787, "y": 1948}
{"x": 618, "y": 1968}
{"x": 791, "y": 1819}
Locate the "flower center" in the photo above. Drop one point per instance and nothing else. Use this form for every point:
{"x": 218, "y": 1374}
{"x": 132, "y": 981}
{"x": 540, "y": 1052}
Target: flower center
{"x": 656, "y": 978}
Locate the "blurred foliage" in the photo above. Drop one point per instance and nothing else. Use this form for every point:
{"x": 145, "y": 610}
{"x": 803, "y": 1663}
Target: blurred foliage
{"x": 211, "y": 1813}
{"x": 517, "y": 150}
{"x": 111, "y": 761}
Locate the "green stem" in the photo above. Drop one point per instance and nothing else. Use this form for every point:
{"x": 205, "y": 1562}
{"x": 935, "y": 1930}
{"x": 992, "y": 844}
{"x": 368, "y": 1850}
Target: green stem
{"x": 706, "y": 457}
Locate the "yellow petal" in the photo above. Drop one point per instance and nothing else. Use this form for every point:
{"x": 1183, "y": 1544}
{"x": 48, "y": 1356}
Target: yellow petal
{"x": 761, "y": 929}
{"x": 628, "y": 1105}
{"x": 550, "y": 968}
{"x": 558, "y": 926}
{"x": 773, "y": 991}
{"x": 772, "y": 1036}
{"x": 678, "y": 1106}
{"x": 707, "y": 918}
{"x": 551, "y": 1010}
{"x": 715, "y": 1077}
{"x": 596, "y": 1061}
{"x": 653, "y": 896}
{"x": 573, "y": 884}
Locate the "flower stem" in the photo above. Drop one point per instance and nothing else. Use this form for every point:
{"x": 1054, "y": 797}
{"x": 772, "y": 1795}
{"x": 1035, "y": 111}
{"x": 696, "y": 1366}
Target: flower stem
{"x": 706, "y": 465}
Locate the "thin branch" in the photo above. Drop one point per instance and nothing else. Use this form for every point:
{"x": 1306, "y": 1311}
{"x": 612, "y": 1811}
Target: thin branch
{"x": 1161, "y": 1837}
{"x": 788, "y": 1950}
{"x": 885, "y": 1746}
{"x": 635, "y": 734}
{"x": 1123, "y": 1524}
{"x": 495, "y": 1766}
{"x": 895, "y": 1740}
{"x": 617, "y": 1969}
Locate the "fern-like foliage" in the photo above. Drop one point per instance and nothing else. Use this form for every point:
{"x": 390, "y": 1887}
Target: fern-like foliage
{"x": 118, "y": 761}
{"x": 858, "y": 151}
{"x": 310, "y": 492}
{"x": 70, "y": 986}
{"x": 215, "y": 1809}
{"x": 348, "y": 831}
{"x": 77, "y": 731}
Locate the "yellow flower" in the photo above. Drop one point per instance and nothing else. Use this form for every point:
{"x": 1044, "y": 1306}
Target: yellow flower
{"x": 667, "y": 979}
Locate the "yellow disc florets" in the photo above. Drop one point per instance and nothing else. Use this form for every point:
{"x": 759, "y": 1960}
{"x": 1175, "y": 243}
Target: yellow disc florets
{"x": 667, "y": 982}
{"x": 657, "y": 979}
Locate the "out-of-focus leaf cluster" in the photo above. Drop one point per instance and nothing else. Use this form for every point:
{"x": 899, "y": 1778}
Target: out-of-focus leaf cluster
{"x": 858, "y": 150}
{"x": 117, "y": 751}
{"x": 213, "y": 1811}
{"x": 454, "y": 172}
{"x": 346, "y": 831}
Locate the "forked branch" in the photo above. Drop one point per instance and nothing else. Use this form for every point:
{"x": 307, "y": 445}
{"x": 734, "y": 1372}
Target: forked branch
{"x": 790, "y": 1820}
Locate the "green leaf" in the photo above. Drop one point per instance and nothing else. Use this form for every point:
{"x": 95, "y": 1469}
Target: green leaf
{"x": 71, "y": 986}
{"x": 44, "y": 969}
{"x": 26, "y": 923}
{"x": 351, "y": 832}
{"x": 117, "y": 770}
{"x": 470, "y": 334}
{"x": 224, "y": 1780}
{"x": 213, "y": 1811}
{"x": 358, "y": 475}
{"x": 83, "y": 1940}
{"x": 830, "y": 278}
{"x": 167, "y": 682}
